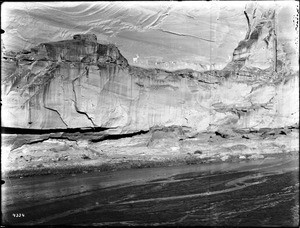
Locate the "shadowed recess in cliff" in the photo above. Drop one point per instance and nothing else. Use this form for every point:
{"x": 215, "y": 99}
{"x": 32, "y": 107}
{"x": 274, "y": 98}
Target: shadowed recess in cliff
{"x": 11, "y": 130}
{"x": 119, "y": 136}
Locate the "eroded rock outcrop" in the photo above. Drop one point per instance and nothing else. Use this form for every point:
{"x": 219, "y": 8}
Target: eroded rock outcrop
{"x": 265, "y": 46}
{"x": 82, "y": 84}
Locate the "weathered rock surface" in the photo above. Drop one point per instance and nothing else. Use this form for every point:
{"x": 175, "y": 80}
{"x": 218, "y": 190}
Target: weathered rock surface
{"x": 160, "y": 147}
{"x": 83, "y": 91}
{"x": 82, "y": 84}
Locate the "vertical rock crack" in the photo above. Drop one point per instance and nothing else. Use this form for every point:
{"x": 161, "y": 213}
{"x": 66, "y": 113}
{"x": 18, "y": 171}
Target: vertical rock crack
{"x": 54, "y": 110}
{"x": 75, "y": 104}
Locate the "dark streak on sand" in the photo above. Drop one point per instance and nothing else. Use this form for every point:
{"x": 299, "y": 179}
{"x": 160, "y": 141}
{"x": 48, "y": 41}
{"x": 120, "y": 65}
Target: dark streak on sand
{"x": 256, "y": 193}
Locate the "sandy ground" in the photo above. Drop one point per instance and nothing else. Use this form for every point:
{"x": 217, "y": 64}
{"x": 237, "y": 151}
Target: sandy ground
{"x": 140, "y": 151}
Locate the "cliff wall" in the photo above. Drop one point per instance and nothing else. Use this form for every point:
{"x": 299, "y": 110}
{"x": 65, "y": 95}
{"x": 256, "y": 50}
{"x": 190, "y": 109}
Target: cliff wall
{"x": 82, "y": 84}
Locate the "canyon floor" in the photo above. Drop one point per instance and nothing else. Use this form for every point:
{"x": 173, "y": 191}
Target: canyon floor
{"x": 256, "y": 193}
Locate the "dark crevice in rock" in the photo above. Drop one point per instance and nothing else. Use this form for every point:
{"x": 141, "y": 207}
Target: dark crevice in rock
{"x": 249, "y": 25}
{"x": 57, "y": 114}
{"x": 198, "y": 152}
{"x": 119, "y": 136}
{"x": 221, "y": 134}
{"x": 84, "y": 113}
{"x": 263, "y": 106}
{"x": 296, "y": 126}
{"x": 33, "y": 136}
{"x": 75, "y": 104}
{"x": 10, "y": 130}
{"x": 140, "y": 85}
{"x": 199, "y": 80}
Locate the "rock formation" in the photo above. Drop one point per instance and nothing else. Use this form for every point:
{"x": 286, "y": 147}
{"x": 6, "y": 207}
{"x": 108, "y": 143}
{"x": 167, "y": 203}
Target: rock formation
{"x": 84, "y": 85}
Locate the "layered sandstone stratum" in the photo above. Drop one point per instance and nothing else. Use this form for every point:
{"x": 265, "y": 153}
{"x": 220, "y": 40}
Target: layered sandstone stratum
{"x": 78, "y": 102}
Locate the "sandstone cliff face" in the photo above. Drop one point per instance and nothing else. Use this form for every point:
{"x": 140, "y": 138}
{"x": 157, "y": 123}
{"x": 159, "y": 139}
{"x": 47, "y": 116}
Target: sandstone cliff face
{"x": 82, "y": 84}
